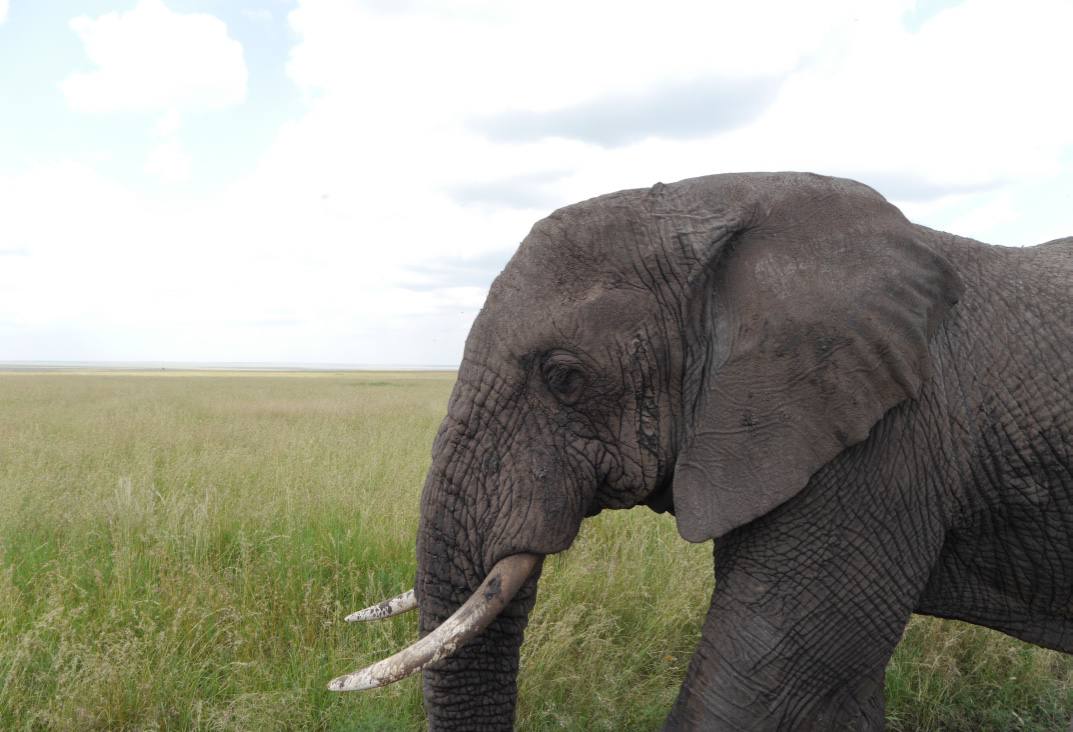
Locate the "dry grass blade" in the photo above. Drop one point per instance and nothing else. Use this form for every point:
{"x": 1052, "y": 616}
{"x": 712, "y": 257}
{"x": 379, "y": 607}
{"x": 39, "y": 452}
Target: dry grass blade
{"x": 176, "y": 551}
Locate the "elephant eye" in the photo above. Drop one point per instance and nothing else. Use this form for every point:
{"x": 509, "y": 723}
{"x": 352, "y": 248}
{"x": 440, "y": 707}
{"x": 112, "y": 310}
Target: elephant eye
{"x": 564, "y": 377}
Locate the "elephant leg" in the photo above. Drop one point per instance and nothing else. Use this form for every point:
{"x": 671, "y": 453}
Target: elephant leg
{"x": 719, "y": 695}
{"x": 809, "y": 603}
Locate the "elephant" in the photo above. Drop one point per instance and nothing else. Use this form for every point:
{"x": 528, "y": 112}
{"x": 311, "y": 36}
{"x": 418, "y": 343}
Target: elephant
{"x": 865, "y": 416}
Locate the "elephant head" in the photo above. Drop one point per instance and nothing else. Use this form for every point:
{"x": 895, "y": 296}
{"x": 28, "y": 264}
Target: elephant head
{"x": 702, "y": 347}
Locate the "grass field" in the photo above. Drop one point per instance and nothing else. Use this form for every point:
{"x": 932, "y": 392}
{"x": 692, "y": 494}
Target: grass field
{"x": 177, "y": 551}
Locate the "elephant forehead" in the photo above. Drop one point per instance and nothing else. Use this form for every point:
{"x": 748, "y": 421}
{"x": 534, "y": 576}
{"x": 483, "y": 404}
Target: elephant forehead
{"x": 540, "y": 315}
{"x": 578, "y": 259}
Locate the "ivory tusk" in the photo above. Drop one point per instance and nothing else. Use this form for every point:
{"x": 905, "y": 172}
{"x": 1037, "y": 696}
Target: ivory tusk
{"x": 477, "y": 613}
{"x": 395, "y": 606}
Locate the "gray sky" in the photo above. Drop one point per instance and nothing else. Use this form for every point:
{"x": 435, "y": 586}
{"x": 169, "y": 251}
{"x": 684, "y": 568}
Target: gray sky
{"x": 333, "y": 181}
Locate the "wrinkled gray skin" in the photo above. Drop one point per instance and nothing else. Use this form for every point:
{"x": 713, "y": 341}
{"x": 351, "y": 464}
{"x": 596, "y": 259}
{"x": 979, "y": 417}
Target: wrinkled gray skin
{"x": 869, "y": 417}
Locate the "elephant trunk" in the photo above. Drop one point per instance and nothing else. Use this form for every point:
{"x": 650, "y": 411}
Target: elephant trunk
{"x": 474, "y": 688}
{"x": 496, "y": 490}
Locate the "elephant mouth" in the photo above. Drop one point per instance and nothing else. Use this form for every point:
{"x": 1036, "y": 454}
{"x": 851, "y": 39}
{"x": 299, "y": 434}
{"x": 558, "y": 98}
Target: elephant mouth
{"x": 496, "y": 591}
{"x": 661, "y": 500}
{"x": 594, "y": 508}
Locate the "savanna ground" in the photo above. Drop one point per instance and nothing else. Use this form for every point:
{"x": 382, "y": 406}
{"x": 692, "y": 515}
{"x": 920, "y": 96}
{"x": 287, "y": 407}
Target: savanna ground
{"x": 177, "y": 551}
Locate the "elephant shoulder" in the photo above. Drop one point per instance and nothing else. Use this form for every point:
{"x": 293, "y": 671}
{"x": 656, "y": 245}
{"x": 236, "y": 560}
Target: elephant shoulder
{"x": 1050, "y": 265}
{"x": 1062, "y": 248}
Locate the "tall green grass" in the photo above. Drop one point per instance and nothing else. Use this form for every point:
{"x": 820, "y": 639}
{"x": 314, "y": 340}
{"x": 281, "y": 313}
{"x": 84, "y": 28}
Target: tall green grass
{"x": 177, "y": 551}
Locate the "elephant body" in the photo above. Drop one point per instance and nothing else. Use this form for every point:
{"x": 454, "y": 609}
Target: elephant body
{"x": 1006, "y": 562}
{"x": 959, "y": 505}
{"x": 867, "y": 417}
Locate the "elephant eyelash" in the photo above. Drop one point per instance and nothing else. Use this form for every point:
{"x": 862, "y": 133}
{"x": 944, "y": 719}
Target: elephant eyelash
{"x": 564, "y": 377}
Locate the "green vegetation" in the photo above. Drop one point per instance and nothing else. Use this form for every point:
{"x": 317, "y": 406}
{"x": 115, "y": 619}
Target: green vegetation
{"x": 177, "y": 551}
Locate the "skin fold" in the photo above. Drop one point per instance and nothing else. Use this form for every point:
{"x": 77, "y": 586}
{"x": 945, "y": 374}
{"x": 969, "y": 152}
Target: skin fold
{"x": 868, "y": 418}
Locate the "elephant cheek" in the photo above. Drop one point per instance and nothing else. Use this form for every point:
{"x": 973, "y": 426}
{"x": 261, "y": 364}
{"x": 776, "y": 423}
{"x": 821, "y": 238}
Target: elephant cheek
{"x": 529, "y": 498}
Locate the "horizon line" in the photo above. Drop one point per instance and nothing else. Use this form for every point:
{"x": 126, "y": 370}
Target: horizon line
{"x": 154, "y": 365}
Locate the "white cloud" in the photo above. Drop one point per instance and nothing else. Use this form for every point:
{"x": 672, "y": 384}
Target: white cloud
{"x": 973, "y": 97}
{"x": 95, "y": 270}
{"x": 860, "y": 94}
{"x": 544, "y": 55}
{"x": 3, "y": 10}
{"x": 169, "y": 162}
{"x": 168, "y": 125}
{"x": 978, "y": 222}
{"x": 339, "y": 245}
{"x": 969, "y": 103}
{"x": 394, "y": 97}
{"x": 151, "y": 59}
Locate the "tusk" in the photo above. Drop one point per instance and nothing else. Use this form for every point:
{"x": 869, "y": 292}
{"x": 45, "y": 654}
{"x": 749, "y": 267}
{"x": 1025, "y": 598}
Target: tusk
{"x": 404, "y": 603}
{"x": 476, "y": 614}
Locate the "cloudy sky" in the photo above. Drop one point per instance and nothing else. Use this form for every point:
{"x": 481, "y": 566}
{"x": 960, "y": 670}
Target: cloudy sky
{"x": 338, "y": 181}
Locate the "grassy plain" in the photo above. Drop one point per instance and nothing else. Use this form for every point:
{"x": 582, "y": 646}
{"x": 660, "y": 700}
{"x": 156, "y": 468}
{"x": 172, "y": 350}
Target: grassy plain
{"x": 177, "y": 551}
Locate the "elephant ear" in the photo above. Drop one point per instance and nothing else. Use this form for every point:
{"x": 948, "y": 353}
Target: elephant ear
{"x": 820, "y": 310}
